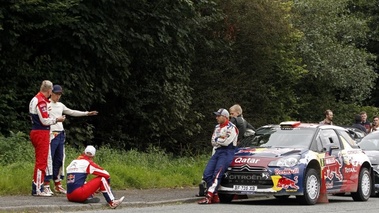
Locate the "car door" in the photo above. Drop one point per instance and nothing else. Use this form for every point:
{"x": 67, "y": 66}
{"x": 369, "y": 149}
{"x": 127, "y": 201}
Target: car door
{"x": 333, "y": 162}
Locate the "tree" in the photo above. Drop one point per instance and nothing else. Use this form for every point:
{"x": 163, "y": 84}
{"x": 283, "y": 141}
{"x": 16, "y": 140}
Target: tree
{"x": 340, "y": 70}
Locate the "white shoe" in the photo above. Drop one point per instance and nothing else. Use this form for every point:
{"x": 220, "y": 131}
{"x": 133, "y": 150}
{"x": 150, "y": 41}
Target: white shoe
{"x": 116, "y": 203}
{"x": 43, "y": 194}
{"x": 47, "y": 190}
{"x": 60, "y": 189}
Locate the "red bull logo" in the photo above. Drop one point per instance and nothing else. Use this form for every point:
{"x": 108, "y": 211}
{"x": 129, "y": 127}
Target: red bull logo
{"x": 286, "y": 183}
{"x": 333, "y": 169}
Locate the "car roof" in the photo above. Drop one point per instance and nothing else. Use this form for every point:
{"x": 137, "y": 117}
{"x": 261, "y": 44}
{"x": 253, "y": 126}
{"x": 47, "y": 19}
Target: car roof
{"x": 298, "y": 124}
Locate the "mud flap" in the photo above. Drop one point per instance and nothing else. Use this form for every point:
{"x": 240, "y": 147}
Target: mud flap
{"x": 373, "y": 193}
{"x": 323, "y": 198}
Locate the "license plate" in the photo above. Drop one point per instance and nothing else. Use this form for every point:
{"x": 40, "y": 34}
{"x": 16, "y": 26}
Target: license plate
{"x": 245, "y": 188}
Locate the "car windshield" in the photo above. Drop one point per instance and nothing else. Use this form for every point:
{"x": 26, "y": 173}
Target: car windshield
{"x": 297, "y": 137}
{"x": 370, "y": 142}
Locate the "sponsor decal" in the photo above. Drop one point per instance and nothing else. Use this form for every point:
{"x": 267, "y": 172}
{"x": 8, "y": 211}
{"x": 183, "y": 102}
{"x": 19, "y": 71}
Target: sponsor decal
{"x": 350, "y": 170}
{"x": 286, "y": 171}
{"x": 263, "y": 176}
{"x": 286, "y": 183}
{"x": 329, "y": 185}
{"x": 246, "y": 160}
{"x": 70, "y": 178}
{"x": 333, "y": 169}
{"x": 43, "y": 109}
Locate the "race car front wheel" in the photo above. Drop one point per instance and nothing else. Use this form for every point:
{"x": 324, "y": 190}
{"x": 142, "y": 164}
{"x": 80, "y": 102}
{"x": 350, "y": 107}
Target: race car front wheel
{"x": 364, "y": 186}
{"x": 312, "y": 186}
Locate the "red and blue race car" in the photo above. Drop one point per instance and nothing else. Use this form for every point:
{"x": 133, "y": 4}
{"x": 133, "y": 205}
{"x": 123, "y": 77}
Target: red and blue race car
{"x": 305, "y": 160}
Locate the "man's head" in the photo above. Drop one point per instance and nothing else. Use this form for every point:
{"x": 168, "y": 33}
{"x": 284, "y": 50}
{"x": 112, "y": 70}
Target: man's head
{"x": 357, "y": 118}
{"x": 363, "y": 116}
{"x": 57, "y": 92}
{"x": 328, "y": 114}
{"x": 375, "y": 120}
{"x": 90, "y": 151}
{"x": 46, "y": 88}
{"x": 222, "y": 115}
{"x": 235, "y": 110}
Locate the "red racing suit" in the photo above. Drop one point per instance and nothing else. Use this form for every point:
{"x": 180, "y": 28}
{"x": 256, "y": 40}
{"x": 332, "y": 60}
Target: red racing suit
{"x": 40, "y": 138}
{"x": 77, "y": 188}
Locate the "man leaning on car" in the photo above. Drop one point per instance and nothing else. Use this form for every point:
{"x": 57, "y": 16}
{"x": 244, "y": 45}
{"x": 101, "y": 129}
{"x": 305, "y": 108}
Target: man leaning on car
{"x": 224, "y": 141}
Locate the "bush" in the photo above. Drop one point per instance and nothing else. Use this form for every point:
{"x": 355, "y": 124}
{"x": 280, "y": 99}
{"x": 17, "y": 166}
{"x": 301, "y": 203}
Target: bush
{"x": 16, "y": 148}
{"x": 128, "y": 169}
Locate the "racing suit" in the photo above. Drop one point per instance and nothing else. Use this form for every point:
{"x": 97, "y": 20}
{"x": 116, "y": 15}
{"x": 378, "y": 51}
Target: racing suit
{"x": 77, "y": 188}
{"x": 224, "y": 141}
{"x": 40, "y": 138}
{"x": 56, "y": 156}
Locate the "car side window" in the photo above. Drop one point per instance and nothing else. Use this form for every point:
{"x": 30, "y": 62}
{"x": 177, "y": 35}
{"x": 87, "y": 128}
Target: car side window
{"x": 346, "y": 136}
{"x": 329, "y": 139}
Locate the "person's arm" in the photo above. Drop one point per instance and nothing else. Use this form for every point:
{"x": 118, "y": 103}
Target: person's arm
{"x": 95, "y": 169}
{"x": 215, "y": 137}
{"x": 43, "y": 115}
{"x": 77, "y": 113}
{"x": 228, "y": 135}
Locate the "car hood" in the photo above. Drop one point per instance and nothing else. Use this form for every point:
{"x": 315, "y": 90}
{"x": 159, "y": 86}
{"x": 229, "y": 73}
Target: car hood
{"x": 373, "y": 155}
{"x": 262, "y": 156}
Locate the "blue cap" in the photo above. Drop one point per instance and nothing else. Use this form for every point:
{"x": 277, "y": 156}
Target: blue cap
{"x": 57, "y": 89}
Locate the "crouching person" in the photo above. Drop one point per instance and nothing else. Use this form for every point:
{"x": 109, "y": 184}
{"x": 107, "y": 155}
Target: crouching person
{"x": 78, "y": 190}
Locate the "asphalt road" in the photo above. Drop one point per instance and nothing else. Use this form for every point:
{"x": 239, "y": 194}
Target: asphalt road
{"x": 133, "y": 198}
{"x": 336, "y": 204}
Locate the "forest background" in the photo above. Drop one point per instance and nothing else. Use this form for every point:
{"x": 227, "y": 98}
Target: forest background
{"x": 157, "y": 69}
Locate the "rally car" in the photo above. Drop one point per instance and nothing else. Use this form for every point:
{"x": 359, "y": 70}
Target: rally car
{"x": 305, "y": 160}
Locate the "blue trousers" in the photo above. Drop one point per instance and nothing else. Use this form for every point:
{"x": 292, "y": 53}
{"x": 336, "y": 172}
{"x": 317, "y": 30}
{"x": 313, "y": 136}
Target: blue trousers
{"x": 216, "y": 168}
{"x": 57, "y": 155}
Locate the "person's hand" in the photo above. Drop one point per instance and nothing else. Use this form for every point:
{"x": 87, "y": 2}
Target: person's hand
{"x": 92, "y": 113}
{"x": 61, "y": 118}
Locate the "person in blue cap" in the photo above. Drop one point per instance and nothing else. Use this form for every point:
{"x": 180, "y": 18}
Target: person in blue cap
{"x": 55, "y": 163}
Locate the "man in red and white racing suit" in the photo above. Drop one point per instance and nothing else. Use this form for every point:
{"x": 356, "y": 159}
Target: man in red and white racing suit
{"x": 40, "y": 135}
{"x": 224, "y": 141}
{"x": 78, "y": 190}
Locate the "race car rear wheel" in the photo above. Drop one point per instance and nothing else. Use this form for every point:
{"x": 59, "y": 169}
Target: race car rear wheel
{"x": 225, "y": 198}
{"x": 364, "y": 186}
{"x": 312, "y": 186}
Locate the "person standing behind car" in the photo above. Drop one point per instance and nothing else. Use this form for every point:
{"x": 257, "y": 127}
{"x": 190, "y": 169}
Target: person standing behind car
{"x": 375, "y": 124}
{"x": 58, "y": 137}
{"x": 237, "y": 119}
{"x": 357, "y": 123}
{"x": 328, "y": 117}
{"x": 224, "y": 139}
{"x": 366, "y": 123}
{"x": 40, "y": 135}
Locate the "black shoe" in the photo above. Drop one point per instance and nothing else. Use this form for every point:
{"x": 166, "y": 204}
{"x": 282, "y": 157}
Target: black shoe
{"x": 202, "y": 189}
{"x": 92, "y": 200}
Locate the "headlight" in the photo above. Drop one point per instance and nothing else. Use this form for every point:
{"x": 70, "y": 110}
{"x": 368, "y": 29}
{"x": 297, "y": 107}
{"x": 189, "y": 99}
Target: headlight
{"x": 289, "y": 161}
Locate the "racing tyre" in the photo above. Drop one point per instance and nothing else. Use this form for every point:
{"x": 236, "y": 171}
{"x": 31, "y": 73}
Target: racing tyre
{"x": 364, "y": 186}
{"x": 312, "y": 186}
{"x": 225, "y": 198}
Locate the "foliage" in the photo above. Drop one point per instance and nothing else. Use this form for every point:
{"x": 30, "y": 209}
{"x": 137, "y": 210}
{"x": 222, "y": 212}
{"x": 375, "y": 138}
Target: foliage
{"x": 15, "y": 148}
{"x": 128, "y": 169}
{"x": 156, "y": 70}
{"x": 340, "y": 69}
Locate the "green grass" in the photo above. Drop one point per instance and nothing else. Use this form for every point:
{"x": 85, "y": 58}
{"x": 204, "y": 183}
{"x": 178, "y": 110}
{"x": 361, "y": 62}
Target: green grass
{"x": 128, "y": 169}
